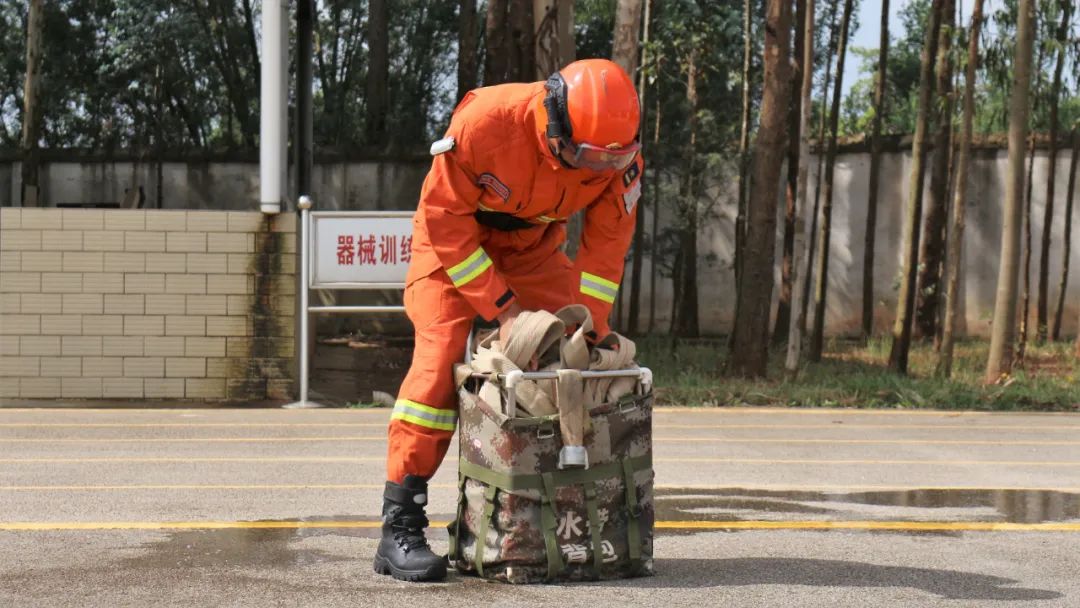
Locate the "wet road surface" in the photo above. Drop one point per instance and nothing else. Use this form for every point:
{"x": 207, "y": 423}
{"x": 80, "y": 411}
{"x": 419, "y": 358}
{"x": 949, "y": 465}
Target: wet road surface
{"x": 754, "y": 507}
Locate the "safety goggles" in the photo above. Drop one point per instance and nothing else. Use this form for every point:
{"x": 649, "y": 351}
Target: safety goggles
{"x": 588, "y": 156}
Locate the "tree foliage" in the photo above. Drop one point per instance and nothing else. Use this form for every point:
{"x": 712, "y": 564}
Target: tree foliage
{"x": 185, "y": 74}
{"x": 994, "y": 75}
{"x": 128, "y": 73}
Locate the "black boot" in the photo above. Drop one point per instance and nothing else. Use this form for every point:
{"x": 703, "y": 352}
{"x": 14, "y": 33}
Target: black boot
{"x": 403, "y": 551}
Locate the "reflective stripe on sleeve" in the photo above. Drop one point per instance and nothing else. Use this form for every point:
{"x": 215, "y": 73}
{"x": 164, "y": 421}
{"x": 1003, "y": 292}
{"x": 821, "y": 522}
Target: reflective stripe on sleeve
{"x": 424, "y": 415}
{"x": 599, "y": 287}
{"x": 468, "y": 270}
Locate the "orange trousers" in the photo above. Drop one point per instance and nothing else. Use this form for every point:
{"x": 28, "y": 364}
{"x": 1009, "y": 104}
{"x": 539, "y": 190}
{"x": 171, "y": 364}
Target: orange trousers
{"x": 541, "y": 277}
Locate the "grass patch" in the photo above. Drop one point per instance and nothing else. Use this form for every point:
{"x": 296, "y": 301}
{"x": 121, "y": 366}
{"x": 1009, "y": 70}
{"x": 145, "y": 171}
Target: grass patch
{"x": 362, "y": 405}
{"x": 852, "y": 374}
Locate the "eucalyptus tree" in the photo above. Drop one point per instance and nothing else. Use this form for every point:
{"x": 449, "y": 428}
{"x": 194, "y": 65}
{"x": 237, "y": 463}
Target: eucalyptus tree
{"x": 1003, "y": 329}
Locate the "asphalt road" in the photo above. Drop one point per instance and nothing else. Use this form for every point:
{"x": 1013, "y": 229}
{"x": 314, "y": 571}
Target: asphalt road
{"x": 755, "y": 507}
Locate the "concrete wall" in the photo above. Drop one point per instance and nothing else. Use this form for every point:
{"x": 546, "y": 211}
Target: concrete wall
{"x": 146, "y": 304}
{"x": 396, "y": 185}
{"x": 986, "y": 197}
{"x": 217, "y": 185}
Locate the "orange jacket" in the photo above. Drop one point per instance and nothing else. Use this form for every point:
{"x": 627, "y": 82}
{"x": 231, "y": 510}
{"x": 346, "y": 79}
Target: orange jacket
{"x": 500, "y": 162}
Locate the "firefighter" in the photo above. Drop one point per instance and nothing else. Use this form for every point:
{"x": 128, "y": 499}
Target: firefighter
{"x": 516, "y": 162}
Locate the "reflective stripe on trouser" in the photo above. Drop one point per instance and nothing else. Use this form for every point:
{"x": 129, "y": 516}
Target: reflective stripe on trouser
{"x": 599, "y": 287}
{"x": 424, "y": 415}
{"x": 541, "y": 277}
{"x": 420, "y": 428}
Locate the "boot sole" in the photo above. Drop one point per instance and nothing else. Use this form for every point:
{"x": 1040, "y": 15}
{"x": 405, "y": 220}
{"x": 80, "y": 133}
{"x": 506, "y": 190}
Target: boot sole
{"x": 431, "y": 573}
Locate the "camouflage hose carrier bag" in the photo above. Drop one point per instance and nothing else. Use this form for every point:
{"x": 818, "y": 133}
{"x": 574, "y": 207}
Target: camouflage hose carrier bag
{"x": 539, "y": 523}
{"x": 522, "y": 519}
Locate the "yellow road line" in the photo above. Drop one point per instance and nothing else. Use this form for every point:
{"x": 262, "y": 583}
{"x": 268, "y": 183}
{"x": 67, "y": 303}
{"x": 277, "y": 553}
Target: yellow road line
{"x": 762, "y": 440}
{"x": 212, "y": 411}
{"x": 846, "y": 425}
{"x": 152, "y": 425}
{"x": 194, "y": 439}
{"x": 188, "y": 525}
{"x": 942, "y": 427}
{"x": 282, "y": 486}
{"x": 872, "y": 462}
{"x": 848, "y": 412}
{"x": 734, "y": 489}
{"x": 660, "y": 410}
{"x": 347, "y": 459}
{"x": 857, "y": 488}
{"x": 198, "y": 459}
{"x": 857, "y": 441}
{"x": 904, "y": 526}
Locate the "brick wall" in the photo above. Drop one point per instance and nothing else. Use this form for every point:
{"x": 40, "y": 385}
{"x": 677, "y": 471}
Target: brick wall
{"x": 146, "y": 304}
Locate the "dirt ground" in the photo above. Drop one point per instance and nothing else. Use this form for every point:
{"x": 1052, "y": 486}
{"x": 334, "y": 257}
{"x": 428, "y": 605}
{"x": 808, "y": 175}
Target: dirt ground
{"x": 347, "y": 372}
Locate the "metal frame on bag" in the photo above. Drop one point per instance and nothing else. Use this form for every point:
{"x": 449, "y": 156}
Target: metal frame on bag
{"x": 511, "y": 379}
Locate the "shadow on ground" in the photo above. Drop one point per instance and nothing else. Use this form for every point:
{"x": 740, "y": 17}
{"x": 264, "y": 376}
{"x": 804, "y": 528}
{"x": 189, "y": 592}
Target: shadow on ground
{"x": 949, "y": 584}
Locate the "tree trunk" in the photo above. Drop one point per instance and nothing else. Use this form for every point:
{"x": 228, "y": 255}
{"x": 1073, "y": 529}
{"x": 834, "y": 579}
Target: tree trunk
{"x": 744, "y": 176}
{"x": 378, "y": 73}
{"x": 1000, "y": 360}
{"x": 752, "y": 323}
{"x": 1066, "y": 239}
{"x": 639, "y": 229}
{"x": 625, "y": 54}
{"x": 928, "y": 283}
{"x": 522, "y": 47}
{"x": 1077, "y": 350}
{"x": 467, "y": 46}
{"x": 688, "y": 301}
{"x": 496, "y": 37}
{"x": 159, "y": 145}
{"x": 510, "y": 55}
{"x": 687, "y": 326}
{"x": 624, "y": 48}
{"x": 31, "y": 119}
{"x": 817, "y": 336}
{"x": 1025, "y": 271}
{"x": 956, "y": 235}
{"x": 1048, "y": 217}
{"x": 303, "y": 138}
{"x": 880, "y": 86}
{"x": 898, "y": 355}
{"x": 252, "y": 42}
{"x": 797, "y": 323}
{"x": 229, "y": 62}
{"x": 653, "y": 254}
{"x": 823, "y": 123}
{"x": 791, "y": 192}
{"x": 676, "y": 291}
{"x": 553, "y": 30}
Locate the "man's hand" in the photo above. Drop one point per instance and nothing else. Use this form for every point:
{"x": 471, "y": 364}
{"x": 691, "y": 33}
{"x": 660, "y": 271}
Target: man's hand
{"x": 506, "y": 321}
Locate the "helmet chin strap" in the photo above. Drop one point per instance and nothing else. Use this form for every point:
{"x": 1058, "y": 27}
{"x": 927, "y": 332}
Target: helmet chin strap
{"x": 555, "y": 104}
{"x": 557, "y": 153}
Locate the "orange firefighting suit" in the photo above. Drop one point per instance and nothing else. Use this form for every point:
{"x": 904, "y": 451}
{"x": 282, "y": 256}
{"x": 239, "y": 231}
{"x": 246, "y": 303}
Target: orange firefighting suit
{"x": 500, "y": 163}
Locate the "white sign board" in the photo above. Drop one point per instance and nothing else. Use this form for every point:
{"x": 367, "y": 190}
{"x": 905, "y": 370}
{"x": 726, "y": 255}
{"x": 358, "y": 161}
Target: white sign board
{"x": 360, "y": 249}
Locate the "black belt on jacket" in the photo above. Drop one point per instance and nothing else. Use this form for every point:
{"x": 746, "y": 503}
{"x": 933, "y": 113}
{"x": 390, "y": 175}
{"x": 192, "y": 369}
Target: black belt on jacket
{"x": 502, "y": 221}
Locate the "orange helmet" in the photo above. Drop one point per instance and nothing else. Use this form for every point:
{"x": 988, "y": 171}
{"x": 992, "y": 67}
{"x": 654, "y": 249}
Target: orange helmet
{"x": 592, "y": 109}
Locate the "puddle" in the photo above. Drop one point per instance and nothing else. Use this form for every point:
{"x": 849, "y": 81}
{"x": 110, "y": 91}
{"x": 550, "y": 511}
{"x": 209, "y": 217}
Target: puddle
{"x": 284, "y": 547}
{"x": 261, "y": 547}
{"x": 1014, "y": 506}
